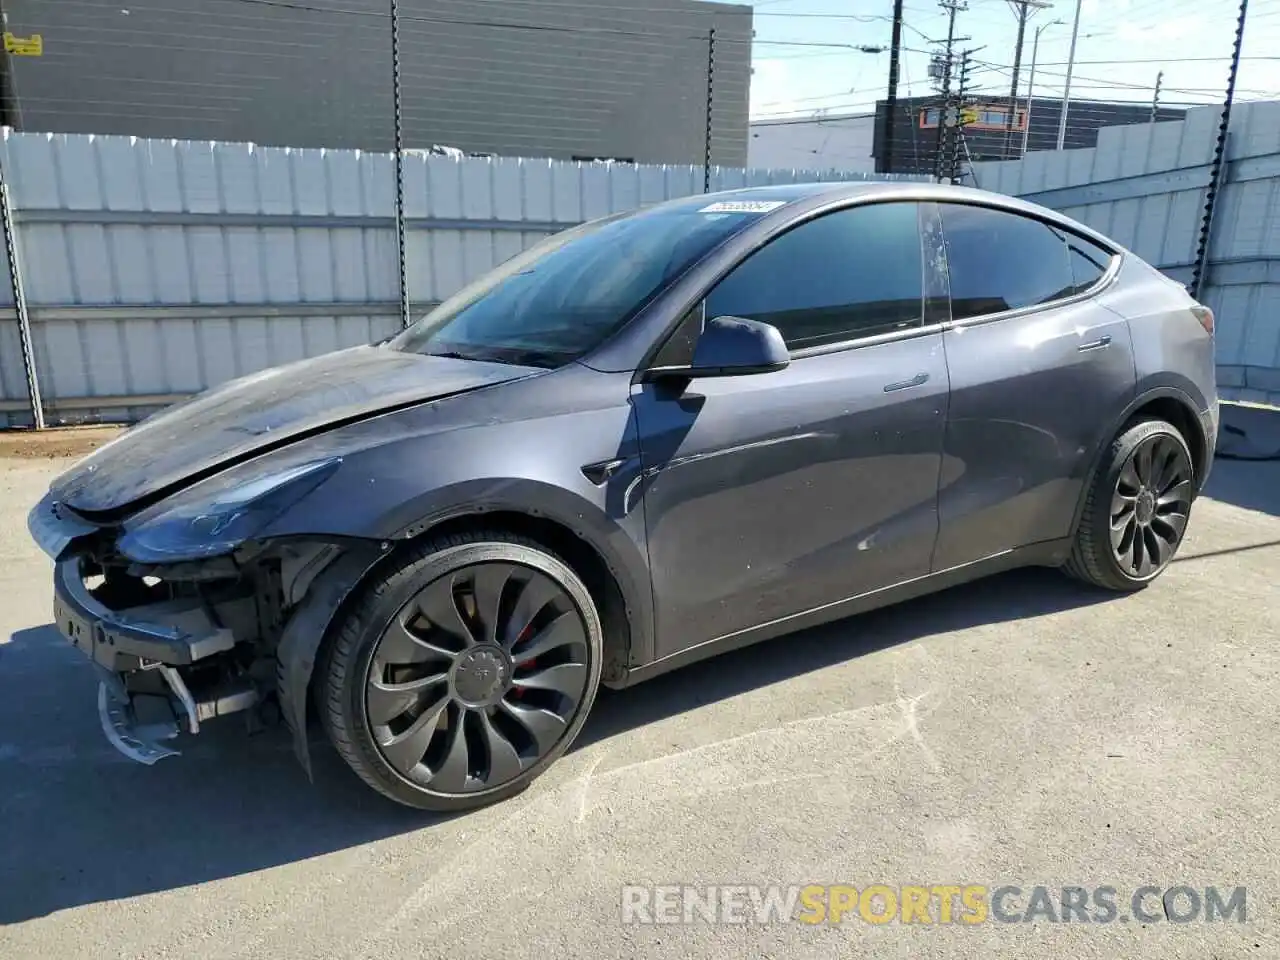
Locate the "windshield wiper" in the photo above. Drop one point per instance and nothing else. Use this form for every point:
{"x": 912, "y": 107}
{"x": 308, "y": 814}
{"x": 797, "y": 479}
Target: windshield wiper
{"x": 516, "y": 356}
{"x": 538, "y": 358}
{"x": 453, "y": 355}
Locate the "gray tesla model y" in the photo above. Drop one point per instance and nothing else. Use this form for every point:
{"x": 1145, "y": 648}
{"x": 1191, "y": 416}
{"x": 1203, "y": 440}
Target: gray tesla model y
{"x": 645, "y": 440}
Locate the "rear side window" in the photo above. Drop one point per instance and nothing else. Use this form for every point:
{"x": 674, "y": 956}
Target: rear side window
{"x": 1088, "y": 261}
{"x": 1001, "y": 261}
{"x": 848, "y": 274}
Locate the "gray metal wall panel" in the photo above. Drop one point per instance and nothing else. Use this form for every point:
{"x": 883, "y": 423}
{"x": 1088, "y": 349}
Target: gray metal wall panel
{"x": 158, "y": 268}
{"x": 13, "y": 381}
{"x": 593, "y": 78}
{"x": 1145, "y": 186}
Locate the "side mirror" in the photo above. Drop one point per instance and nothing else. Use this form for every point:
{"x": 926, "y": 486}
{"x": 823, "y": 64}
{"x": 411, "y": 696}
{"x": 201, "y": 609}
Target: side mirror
{"x": 731, "y": 347}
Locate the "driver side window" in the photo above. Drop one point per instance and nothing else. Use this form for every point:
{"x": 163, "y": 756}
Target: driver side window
{"x": 845, "y": 275}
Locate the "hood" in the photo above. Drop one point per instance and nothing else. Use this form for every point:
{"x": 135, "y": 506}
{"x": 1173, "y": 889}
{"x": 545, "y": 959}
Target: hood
{"x": 260, "y": 412}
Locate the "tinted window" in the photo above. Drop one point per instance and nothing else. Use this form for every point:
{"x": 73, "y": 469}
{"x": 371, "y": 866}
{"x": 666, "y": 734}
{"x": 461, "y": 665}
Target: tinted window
{"x": 566, "y": 295}
{"x": 1001, "y": 261}
{"x": 848, "y": 274}
{"x": 1088, "y": 261}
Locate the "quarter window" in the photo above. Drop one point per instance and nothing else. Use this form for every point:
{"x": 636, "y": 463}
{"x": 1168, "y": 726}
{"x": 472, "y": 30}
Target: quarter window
{"x": 1088, "y": 261}
{"x": 849, "y": 274}
{"x": 1001, "y": 261}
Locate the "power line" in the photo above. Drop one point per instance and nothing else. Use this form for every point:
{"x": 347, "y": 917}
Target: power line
{"x": 1226, "y": 59}
{"x": 1162, "y": 7}
{"x": 813, "y": 99}
{"x": 1118, "y": 84}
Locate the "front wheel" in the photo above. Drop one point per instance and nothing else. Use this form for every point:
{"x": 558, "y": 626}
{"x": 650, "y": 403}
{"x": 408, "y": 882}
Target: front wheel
{"x": 463, "y": 672}
{"x": 1137, "y": 509}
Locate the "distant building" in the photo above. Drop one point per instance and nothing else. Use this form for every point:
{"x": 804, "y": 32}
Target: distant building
{"x": 989, "y": 135}
{"x": 574, "y": 79}
{"x": 836, "y": 142}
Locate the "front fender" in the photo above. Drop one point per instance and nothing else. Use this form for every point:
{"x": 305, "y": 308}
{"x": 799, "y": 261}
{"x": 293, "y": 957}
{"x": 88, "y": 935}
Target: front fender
{"x": 610, "y": 526}
{"x": 402, "y": 486}
{"x": 306, "y": 630}
{"x": 622, "y": 555}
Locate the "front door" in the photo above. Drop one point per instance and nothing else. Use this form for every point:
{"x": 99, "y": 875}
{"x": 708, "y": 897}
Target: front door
{"x": 770, "y": 495}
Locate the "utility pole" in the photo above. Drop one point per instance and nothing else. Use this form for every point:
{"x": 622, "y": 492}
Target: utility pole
{"x": 1066, "y": 90}
{"x": 1155, "y": 101}
{"x": 891, "y": 101}
{"x": 1022, "y": 9}
{"x": 1031, "y": 86}
{"x": 944, "y": 111}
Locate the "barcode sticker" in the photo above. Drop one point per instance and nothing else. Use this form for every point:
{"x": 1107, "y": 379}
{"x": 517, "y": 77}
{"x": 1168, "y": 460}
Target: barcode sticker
{"x": 743, "y": 206}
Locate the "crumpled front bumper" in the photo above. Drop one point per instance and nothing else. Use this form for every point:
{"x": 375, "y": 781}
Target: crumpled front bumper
{"x": 152, "y": 642}
{"x": 171, "y": 632}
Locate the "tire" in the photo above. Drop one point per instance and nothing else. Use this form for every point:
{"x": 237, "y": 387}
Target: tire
{"x": 479, "y": 655}
{"x": 1143, "y": 489}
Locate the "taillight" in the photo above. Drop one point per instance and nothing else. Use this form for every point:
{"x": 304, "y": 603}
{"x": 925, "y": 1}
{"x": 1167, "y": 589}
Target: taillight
{"x": 1205, "y": 316}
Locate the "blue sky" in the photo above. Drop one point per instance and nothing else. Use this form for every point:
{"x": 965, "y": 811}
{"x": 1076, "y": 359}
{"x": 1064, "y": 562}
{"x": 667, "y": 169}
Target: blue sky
{"x": 1123, "y": 45}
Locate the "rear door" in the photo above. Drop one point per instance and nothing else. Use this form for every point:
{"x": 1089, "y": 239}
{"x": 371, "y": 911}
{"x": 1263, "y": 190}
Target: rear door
{"x": 1037, "y": 368}
{"x": 773, "y": 494}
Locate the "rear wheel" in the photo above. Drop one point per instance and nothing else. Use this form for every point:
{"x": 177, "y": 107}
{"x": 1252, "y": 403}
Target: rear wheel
{"x": 1137, "y": 509}
{"x": 464, "y": 672}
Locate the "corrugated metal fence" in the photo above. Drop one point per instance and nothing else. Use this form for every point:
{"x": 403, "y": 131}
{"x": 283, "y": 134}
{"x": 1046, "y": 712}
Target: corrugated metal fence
{"x": 154, "y": 269}
{"x": 1145, "y": 186}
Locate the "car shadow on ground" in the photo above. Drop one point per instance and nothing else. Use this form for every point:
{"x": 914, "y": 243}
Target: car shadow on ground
{"x": 1016, "y": 595}
{"x": 80, "y": 824}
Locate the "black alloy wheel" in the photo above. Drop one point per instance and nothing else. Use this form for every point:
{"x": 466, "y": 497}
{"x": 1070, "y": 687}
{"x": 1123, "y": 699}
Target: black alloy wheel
{"x": 465, "y": 673}
{"x": 1136, "y": 508}
{"x": 1151, "y": 505}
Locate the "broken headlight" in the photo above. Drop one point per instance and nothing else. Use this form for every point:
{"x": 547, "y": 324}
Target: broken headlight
{"x": 215, "y": 516}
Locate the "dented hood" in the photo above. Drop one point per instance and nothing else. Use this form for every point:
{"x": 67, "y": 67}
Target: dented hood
{"x": 266, "y": 410}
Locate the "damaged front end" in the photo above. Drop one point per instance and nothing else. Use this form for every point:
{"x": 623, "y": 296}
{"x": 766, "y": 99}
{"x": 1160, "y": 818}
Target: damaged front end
{"x": 179, "y": 638}
{"x": 171, "y": 654}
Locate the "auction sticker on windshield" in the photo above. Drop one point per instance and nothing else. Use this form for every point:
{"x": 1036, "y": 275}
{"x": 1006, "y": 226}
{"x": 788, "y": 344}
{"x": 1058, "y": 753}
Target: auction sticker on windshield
{"x": 743, "y": 206}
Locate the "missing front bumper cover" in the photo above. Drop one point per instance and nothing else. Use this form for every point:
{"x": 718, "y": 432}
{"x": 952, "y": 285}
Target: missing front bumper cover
{"x": 173, "y": 642}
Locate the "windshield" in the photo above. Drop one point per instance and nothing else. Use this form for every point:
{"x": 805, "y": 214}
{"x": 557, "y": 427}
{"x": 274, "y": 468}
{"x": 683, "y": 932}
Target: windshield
{"x": 565, "y": 296}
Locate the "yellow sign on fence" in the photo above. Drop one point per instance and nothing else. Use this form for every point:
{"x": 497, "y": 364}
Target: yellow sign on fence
{"x": 32, "y": 46}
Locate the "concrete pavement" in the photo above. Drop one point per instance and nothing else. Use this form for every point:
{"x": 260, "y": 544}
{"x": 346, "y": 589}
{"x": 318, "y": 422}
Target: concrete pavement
{"x": 1021, "y": 730}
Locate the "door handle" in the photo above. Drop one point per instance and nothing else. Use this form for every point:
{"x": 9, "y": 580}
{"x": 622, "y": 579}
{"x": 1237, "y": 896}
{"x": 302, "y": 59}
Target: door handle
{"x": 1094, "y": 344}
{"x": 920, "y": 379}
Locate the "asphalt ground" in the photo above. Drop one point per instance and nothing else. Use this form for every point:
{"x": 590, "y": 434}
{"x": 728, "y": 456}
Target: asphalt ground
{"x": 1021, "y": 731}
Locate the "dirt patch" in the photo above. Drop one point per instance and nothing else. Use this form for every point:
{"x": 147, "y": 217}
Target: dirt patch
{"x": 55, "y": 443}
